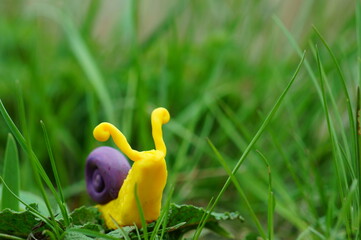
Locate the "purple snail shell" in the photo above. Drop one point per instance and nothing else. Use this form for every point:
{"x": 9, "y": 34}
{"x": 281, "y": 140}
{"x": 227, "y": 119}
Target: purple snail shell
{"x": 105, "y": 171}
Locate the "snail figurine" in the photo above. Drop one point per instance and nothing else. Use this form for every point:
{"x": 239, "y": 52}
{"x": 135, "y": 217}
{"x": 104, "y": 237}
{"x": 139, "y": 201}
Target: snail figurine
{"x": 111, "y": 181}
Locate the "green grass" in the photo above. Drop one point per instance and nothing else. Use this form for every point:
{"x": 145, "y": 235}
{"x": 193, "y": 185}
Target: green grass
{"x": 219, "y": 67}
{"x": 11, "y": 175}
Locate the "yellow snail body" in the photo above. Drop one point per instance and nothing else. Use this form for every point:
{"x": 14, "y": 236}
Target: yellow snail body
{"x": 148, "y": 173}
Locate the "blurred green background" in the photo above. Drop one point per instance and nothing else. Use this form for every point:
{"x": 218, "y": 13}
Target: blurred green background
{"x": 218, "y": 66}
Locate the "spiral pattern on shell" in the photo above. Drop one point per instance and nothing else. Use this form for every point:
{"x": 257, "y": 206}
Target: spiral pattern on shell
{"x": 105, "y": 171}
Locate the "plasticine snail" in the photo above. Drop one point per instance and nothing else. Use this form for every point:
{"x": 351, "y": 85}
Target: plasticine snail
{"x": 111, "y": 181}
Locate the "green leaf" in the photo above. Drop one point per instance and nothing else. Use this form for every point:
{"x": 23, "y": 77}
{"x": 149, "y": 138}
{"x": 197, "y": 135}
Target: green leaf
{"x": 18, "y": 224}
{"x": 191, "y": 216}
{"x": 86, "y": 215}
{"x": 76, "y": 235}
{"x": 85, "y": 232}
{"x": 11, "y": 175}
{"x": 120, "y": 233}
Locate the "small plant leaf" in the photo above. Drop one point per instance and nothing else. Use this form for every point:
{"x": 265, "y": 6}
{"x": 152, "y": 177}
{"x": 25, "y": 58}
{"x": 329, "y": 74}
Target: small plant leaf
{"x": 191, "y": 216}
{"x": 76, "y": 235}
{"x": 86, "y": 215}
{"x": 119, "y": 233}
{"x": 18, "y": 224}
{"x": 82, "y": 233}
{"x": 11, "y": 175}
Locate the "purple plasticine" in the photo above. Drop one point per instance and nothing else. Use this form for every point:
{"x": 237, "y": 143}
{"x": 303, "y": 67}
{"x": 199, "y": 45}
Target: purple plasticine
{"x": 105, "y": 170}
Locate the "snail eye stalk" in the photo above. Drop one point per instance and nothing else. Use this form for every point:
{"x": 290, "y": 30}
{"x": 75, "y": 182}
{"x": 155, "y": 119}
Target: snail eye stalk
{"x": 103, "y": 131}
{"x": 160, "y": 116}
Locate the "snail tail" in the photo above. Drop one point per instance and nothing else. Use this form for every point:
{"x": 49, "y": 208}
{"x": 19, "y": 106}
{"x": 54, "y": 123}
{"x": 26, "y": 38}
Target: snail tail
{"x": 160, "y": 116}
{"x": 104, "y": 130}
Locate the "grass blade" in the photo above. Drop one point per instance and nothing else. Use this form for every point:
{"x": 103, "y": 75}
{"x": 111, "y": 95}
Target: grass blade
{"x": 345, "y": 209}
{"x": 340, "y": 170}
{"x": 299, "y": 52}
{"x": 344, "y": 88}
{"x": 21, "y": 140}
{"x": 166, "y": 208}
{"x": 271, "y": 199}
{"x": 141, "y": 213}
{"x": 340, "y": 73}
{"x": 50, "y": 235}
{"x": 34, "y": 161}
{"x": 163, "y": 218}
{"x": 6, "y": 236}
{"x": 125, "y": 235}
{"x": 313, "y": 77}
{"x": 257, "y": 135}
{"x": 358, "y": 161}
{"x": 203, "y": 220}
{"x": 38, "y": 169}
{"x": 11, "y": 175}
{"x": 137, "y": 231}
{"x": 239, "y": 189}
{"x": 56, "y": 175}
{"x": 358, "y": 34}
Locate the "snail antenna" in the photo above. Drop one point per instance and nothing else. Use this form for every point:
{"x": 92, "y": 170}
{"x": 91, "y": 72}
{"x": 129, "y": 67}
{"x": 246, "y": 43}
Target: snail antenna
{"x": 160, "y": 116}
{"x": 104, "y": 130}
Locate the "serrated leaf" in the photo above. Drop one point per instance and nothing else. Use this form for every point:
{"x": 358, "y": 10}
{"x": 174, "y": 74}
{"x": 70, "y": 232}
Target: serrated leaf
{"x": 92, "y": 226}
{"x": 190, "y": 217}
{"x": 11, "y": 175}
{"x": 77, "y": 236}
{"x": 17, "y": 223}
{"x": 86, "y": 215}
{"x": 119, "y": 234}
{"x": 227, "y": 216}
{"x": 87, "y": 232}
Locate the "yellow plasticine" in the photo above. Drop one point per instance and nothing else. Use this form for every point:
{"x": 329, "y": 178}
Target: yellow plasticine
{"x": 149, "y": 173}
